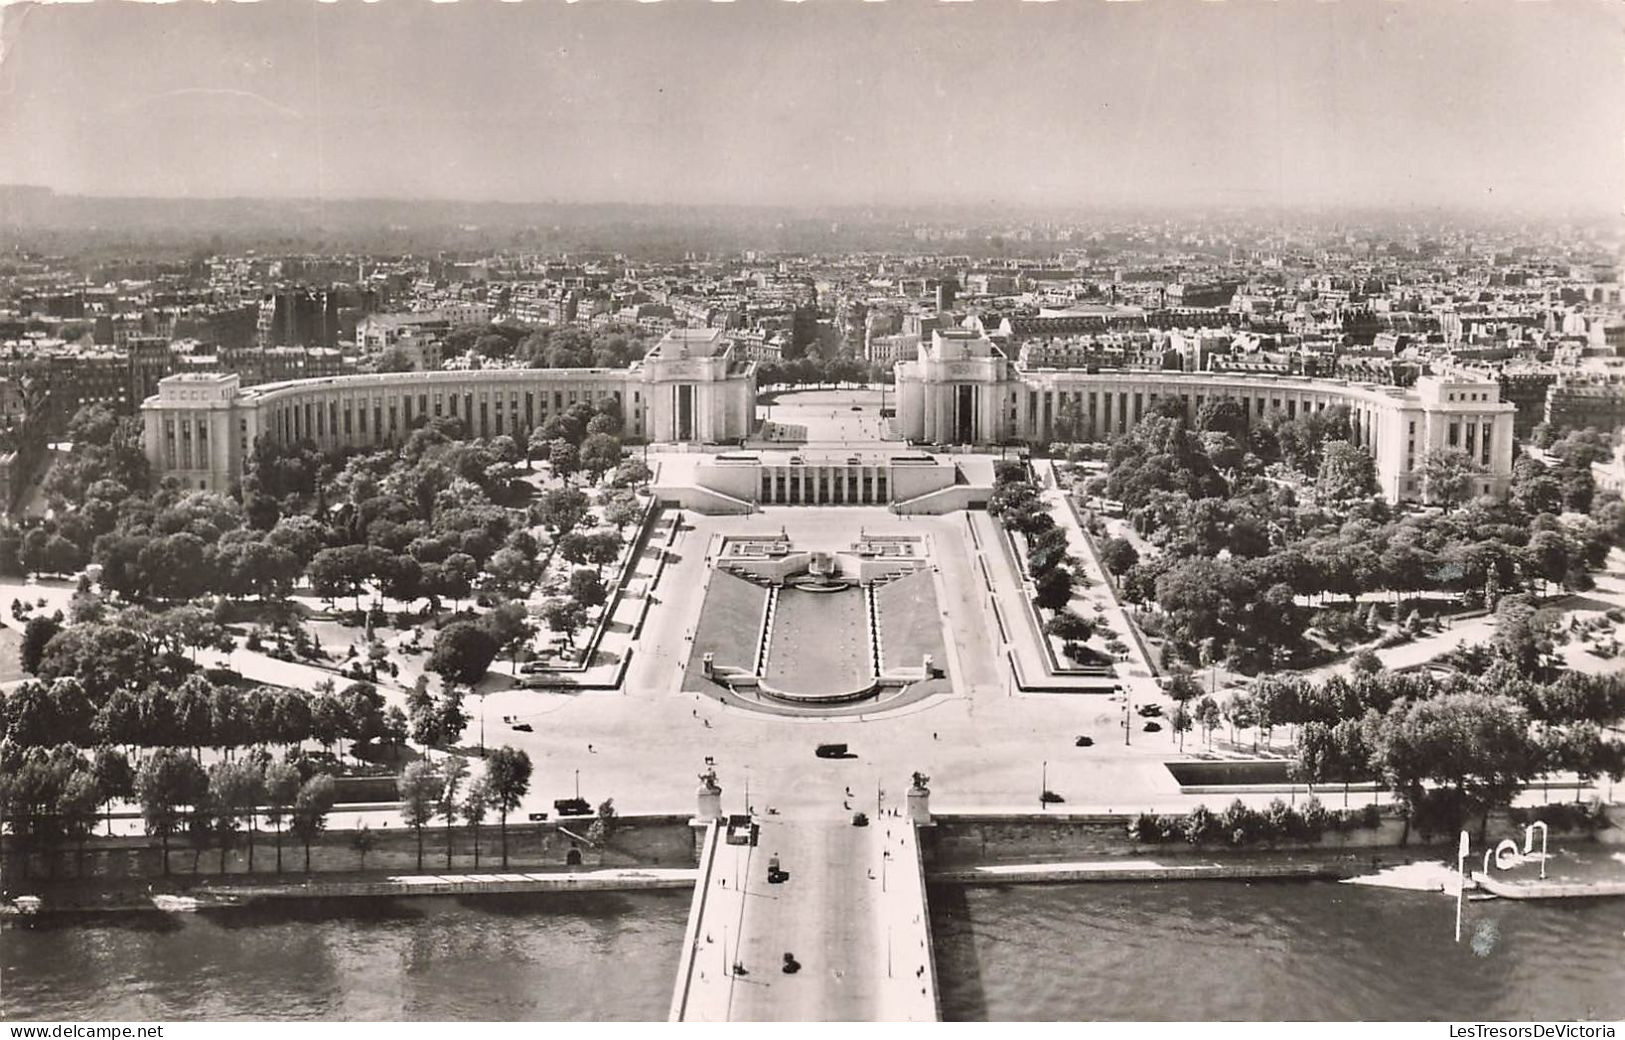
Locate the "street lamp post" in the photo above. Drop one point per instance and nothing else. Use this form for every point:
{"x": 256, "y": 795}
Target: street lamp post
{"x": 1461, "y": 879}
{"x": 1043, "y": 788}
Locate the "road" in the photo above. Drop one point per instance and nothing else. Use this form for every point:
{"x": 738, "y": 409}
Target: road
{"x": 850, "y": 913}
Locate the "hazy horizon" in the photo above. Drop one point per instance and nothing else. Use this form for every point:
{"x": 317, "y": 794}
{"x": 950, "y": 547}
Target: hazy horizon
{"x": 1510, "y": 107}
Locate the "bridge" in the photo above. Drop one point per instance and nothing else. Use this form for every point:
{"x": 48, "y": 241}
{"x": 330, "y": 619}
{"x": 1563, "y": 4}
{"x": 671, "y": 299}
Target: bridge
{"x": 851, "y": 913}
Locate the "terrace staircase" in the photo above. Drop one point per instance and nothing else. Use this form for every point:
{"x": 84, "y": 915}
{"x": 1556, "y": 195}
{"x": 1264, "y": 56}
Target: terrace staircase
{"x": 871, "y": 615}
{"x": 765, "y": 641}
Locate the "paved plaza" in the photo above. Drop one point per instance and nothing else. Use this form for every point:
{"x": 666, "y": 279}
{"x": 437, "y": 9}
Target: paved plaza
{"x": 827, "y": 417}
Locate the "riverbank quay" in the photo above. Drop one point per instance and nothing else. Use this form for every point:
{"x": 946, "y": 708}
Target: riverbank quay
{"x": 1237, "y": 867}
{"x": 645, "y": 840}
{"x": 206, "y": 893}
{"x": 959, "y": 840}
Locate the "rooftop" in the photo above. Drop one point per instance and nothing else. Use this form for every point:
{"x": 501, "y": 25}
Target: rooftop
{"x": 679, "y": 344}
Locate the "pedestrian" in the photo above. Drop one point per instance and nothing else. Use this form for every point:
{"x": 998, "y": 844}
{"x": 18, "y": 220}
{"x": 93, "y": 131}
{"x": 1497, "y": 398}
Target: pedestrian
{"x": 590, "y": 751}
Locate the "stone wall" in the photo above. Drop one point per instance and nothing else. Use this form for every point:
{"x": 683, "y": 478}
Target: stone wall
{"x": 663, "y": 841}
{"x": 958, "y": 841}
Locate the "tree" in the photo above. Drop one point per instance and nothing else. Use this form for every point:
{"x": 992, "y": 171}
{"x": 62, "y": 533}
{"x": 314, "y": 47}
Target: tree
{"x": 447, "y": 805}
{"x": 564, "y": 457}
{"x": 236, "y": 790}
{"x": 1475, "y": 749}
{"x": 1180, "y": 722}
{"x": 394, "y": 360}
{"x": 462, "y": 653}
{"x": 310, "y": 808}
{"x": 1207, "y": 716}
{"x": 1448, "y": 476}
{"x": 1347, "y": 472}
{"x": 1118, "y": 556}
{"x": 622, "y": 510}
{"x": 476, "y": 803}
{"x": 281, "y": 792}
{"x": 451, "y": 718}
{"x": 586, "y": 587}
{"x": 510, "y": 570}
{"x": 559, "y": 510}
{"x": 1069, "y": 627}
{"x": 363, "y": 841}
{"x": 1182, "y": 686}
{"x": 604, "y": 825}
{"x": 114, "y": 779}
{"x": 565, "y": 617}
{"x": 1239, "y": 712}
{"x": 600, "y": 453}
{"x": 1365, "y": 661}
{"x": 1535, "y": 490}
{"x": 77, "y": 807}
{"x": 168, "y": 781}
{"x": 420, "y": 787}
{"x": 36, "y": 634}
{"x": 1524, "y": 636}
{"x": 632, "y": 473}
{"x": 1054, "y": 589}
{"x": 507, "y": 779}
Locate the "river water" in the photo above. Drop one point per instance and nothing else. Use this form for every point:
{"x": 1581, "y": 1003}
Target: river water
{"x": 1275, "y": 951}
{"x": 571, "y": 956}
{"x": 1191, "y": 950}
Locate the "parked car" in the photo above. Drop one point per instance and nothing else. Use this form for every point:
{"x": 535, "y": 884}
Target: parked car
{"x": 831, "y": 751}
{"x": 1152, "y": 727}
{"x": 524, "y": 727}
{"x": 1150, "y": 711}
{"x": 1084, "y": 742}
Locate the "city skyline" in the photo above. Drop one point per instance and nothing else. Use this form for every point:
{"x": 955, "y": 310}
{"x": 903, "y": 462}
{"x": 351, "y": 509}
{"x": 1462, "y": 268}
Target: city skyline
{"x": 834, "y": 105}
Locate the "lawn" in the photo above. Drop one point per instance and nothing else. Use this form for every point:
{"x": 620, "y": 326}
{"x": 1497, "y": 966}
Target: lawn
{"x": 730, "y": 621}
{"x": 910, "y": 622}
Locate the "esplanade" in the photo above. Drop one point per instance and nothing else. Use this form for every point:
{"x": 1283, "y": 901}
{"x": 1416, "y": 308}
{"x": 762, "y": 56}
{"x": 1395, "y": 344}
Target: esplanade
{"x": 692, "y": 388}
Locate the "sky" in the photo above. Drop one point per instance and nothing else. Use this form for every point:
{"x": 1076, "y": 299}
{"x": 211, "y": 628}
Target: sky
{"x": 1493, "y": 104}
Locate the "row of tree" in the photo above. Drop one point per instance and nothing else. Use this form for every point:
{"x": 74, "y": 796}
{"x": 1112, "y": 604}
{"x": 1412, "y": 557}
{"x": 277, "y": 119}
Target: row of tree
{"x": 55, "y": 795}
{"x": 1018, "y": 506}
{"x": 429, "y": 791}
{"x": 197, "y": 713}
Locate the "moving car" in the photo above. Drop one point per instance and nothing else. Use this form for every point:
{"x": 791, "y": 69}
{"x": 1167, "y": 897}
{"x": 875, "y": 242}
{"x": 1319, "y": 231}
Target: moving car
{"x": 831, "y": 751}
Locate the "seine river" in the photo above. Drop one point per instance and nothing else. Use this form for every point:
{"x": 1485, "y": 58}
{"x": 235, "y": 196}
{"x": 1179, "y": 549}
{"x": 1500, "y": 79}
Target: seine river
{"x": 1218, "y": 950}
{"x": 1207, "y": 950}
{"x": 571, "y": 956}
